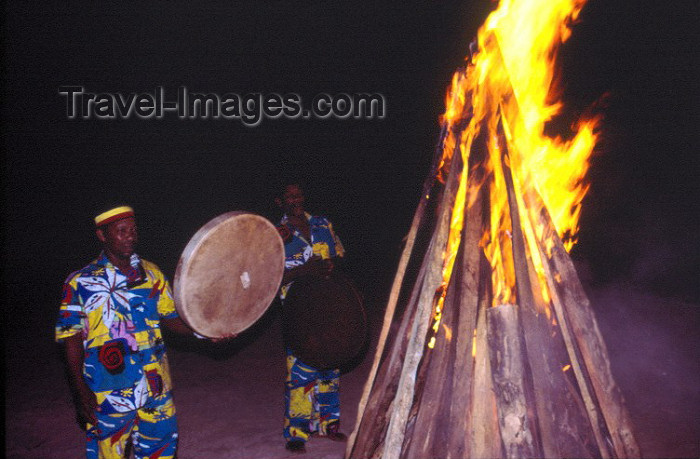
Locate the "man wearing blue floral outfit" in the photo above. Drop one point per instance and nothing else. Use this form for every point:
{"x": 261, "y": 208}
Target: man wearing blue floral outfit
{"x": 110, "y": 318}
{"x": 312, "y": 403}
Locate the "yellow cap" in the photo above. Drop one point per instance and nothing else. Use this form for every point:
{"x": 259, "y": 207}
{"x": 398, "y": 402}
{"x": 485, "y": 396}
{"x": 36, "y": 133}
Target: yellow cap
{"x": 113, "y": 215}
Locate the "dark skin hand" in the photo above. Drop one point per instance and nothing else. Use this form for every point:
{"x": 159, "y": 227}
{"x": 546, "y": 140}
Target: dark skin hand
{"x": 75, "y": 355}
{"x": 176, "y": 325}
{"x": 87, "y": 402}
{"x": 119, "y": 241}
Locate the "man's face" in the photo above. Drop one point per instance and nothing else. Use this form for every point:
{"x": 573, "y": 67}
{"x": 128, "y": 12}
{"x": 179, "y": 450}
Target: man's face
{"x": 293, "y": 201}
{"x": 119, "y": 238}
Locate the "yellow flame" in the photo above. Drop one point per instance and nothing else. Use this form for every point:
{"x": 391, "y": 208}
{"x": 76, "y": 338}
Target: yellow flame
{"x": 521, "y": 39}
{"x": 508, "y": 83}
{"x": 448, "y": 332}
{"x": 528, "y": 34}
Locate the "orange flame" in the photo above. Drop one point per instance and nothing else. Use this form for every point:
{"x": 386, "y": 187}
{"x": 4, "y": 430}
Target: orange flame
{"x": 509, "y": 82}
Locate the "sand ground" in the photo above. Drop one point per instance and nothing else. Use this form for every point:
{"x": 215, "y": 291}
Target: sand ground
{"x": 229, "y": 397}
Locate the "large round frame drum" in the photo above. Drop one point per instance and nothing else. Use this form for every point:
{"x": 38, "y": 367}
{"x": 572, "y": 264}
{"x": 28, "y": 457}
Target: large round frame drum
{"x": 324, "y": 321}
{"x": 229, "y": 274}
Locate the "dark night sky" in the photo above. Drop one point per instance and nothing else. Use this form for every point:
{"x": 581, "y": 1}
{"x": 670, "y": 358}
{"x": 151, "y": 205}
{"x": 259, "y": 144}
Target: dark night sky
{"x": 640, "y": 219}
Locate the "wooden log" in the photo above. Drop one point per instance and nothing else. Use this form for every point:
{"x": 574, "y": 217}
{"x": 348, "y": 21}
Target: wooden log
{"x": 417, "y": 222}
{"x": 509, "y": 370}
{"x": 564, "y": 428}
{"x": 443, "y": 384}
{"x": 579, "y": 314}
{"x": 512, "y": 113}
{"x": 542, "y": 438}
{"x": 404, "y": 396}
{"x": 580, "y": 372}
{"x": 460, "y": 420}
{"x": 428, "y": 425}
{"x": 484, "y": 435}
{"x": 370, "y": 434}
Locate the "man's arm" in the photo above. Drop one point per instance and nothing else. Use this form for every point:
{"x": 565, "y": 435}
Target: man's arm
{"x": 75, "y": 355}
{"x": 177, "y": 326}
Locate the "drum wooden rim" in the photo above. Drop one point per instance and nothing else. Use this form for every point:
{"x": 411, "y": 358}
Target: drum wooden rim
{"x": 229, "y": 273}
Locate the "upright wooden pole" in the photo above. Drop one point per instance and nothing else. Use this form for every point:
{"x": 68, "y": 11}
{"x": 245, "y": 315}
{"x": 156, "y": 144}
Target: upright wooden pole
{"x": 564, "y": 426}
{"x": 460, "y": 418}
{"x": 396, "y": 286}
{"x": 484, "y": 435}
{"x": 510, "y": 374}
{"x": 440, "y": 412}
{"x": 579, "y": 314}
{"x": 580, "y": 372}
{"x": 405, "y": 391}
{"x": 428, "y": 424}
{"x": 543, "y": 443}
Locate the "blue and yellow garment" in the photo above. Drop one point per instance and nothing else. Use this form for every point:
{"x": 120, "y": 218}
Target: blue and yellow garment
{"x": 297, "y": 250}
{"x": 312, "y": 401}
{"x": 118, "y": 316}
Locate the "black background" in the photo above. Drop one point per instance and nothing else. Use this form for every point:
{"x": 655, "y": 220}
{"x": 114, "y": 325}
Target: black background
{"x": 635, "y": 59}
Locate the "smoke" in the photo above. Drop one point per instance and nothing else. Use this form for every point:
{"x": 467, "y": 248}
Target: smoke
{"x": 652, "y": 342}
{"x": 666, "y": 260}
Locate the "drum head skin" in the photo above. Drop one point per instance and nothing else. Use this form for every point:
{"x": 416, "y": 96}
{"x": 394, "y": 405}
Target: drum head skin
{"x": 324, "y": 321}
{"x": 229, "y": 274}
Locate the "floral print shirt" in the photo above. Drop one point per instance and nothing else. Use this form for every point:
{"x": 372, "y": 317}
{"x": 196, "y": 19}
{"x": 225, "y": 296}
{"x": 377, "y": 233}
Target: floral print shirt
{"x": 118, "y": 316}
{"x": 297, "y": 250}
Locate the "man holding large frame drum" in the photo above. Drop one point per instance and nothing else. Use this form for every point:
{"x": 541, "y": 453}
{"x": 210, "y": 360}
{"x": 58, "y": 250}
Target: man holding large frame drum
{"x": 110, "y": 321}
{"x": 312, "y": 403}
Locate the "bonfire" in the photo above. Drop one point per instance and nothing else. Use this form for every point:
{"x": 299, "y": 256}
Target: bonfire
{"x": 494, "y": 350}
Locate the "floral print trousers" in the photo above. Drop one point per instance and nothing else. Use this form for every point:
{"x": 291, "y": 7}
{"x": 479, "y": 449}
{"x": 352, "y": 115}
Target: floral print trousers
{"x": 311, "y": 399}
{"x": 152, "y": 429}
